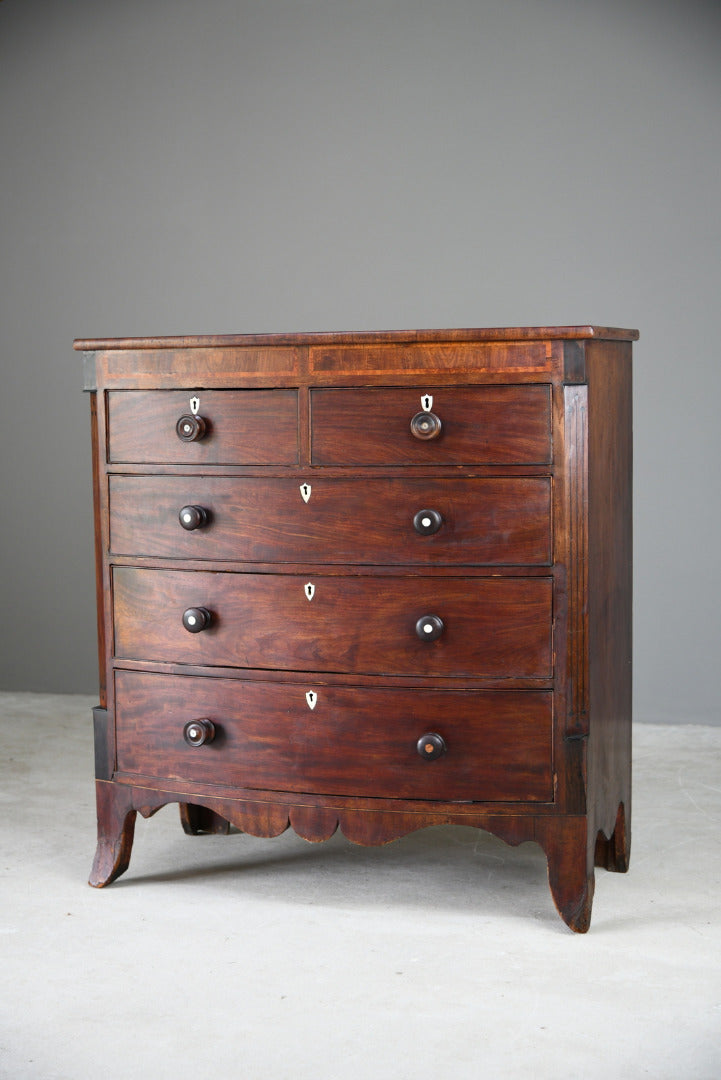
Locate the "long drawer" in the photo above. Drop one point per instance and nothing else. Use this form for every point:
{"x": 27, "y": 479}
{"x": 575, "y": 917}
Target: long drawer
{"x": 489, "y": 626}
{"x": 354, "y": 741}
{"x": 239, "y": 427}
{"x": 491, "y": 521}
{"x": 492, "y": 425}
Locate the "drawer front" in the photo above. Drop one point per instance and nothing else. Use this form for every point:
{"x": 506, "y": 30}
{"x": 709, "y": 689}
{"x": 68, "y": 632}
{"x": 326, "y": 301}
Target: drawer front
{"x": 493, "y": 425}
{"x": 242, "y": 427}
{"x": 490, "y": 627}
{"x": 493, "y": 521}
{"x": 355, "y": 741}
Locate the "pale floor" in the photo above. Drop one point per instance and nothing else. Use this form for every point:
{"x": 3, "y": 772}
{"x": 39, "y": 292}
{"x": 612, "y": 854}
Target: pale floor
{"x": 440, "y": 956}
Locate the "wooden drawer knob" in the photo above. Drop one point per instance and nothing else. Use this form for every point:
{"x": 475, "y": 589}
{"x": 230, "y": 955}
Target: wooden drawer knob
{"x": 196, "y": 619}
{"x": 198, "y": 732}
{"x": 426, "y": 425}
{"x": 431, "y": 746}
{"x": 427, "y": 522}
{"x": 193, "y": 517}
{"x": 190, "y": 428}
{"x": 429, "y": 627}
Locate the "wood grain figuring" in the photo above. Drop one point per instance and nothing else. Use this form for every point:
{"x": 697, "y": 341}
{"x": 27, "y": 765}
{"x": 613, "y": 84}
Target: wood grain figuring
{"x": 169, "y": 367}
{"x": 354, "y": 741}
{"x": 494, "y": 626}
{"x": 492, "y": 425}
{"x": 367, "y": 624}
{"x": 490, "y": 521}
{"x": 250, "y": 427}
{"x": 418, "y": 359}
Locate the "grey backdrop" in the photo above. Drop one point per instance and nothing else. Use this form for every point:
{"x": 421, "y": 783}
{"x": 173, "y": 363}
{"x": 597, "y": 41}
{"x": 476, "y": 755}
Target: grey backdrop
{"x": 170, "y": 166}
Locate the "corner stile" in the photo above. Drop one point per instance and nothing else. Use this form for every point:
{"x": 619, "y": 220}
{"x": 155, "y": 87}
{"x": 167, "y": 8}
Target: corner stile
{"x": 576, "y": 510}
{"x": 90, "y": 373}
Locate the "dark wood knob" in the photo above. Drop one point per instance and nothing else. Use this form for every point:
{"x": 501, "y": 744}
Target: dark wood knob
{"x": 429, "y": 627}
{"x": 198, "y": 732}
{"x": 193, "y": 517}
{"x": 431, "y": 746}
{"x": 190, "y": 428}
{"x": 427, "y": 522}
{"x": 426, "y": 425}
{"x": 196, "y": 619}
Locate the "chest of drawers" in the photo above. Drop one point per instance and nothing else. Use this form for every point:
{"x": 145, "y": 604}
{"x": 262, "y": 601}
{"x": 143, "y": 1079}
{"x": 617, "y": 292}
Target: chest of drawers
{"x": 369, "y": 581}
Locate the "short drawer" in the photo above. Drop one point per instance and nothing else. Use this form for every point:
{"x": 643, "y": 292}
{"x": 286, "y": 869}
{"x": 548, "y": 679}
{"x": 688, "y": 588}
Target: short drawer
{"x": 239, "y": 427}
{"x": 358, "y": 741}
{"x": 489, "y": 626}
{"x": 492, "y": 425}
{"x": 492, "y": 521}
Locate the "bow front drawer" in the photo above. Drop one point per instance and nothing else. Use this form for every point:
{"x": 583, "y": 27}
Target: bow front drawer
{"x": 207, "y": 427}
{"x": 424, "y": 625}
{"x": 455, "y": 425}
{"x": 492, "y": 521}
{"x": 361, "y": 741}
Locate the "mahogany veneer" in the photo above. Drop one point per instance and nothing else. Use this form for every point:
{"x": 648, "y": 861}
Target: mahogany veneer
{"x": 369, "y": 581}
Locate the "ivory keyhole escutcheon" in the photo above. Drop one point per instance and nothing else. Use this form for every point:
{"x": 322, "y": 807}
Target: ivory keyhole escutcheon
{"x": 312, "y": 698}
{"x": 305, "y": 490}
{"x": 310, "y": 590}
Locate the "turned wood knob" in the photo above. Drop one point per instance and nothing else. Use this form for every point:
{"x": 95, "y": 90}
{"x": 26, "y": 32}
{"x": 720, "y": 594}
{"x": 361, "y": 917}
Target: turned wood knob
{"x": 198, "y": 732}
{"x": 427, "y": 522}
{"x": 429, "y": 627}
{"x": 190, "y": 428}
{"x": 431, "y": 746}
{"x": 426, "y": 425}
{"x": 196, "y": 619}
{"x": 193, "y": 517}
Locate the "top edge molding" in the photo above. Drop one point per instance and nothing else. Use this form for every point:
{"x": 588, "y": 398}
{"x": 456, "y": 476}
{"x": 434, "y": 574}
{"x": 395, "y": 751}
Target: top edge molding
{"x": 363, "y": 337}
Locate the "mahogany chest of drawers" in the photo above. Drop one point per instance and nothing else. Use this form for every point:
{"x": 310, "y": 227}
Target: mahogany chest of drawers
{"x": 368, "y": 581}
